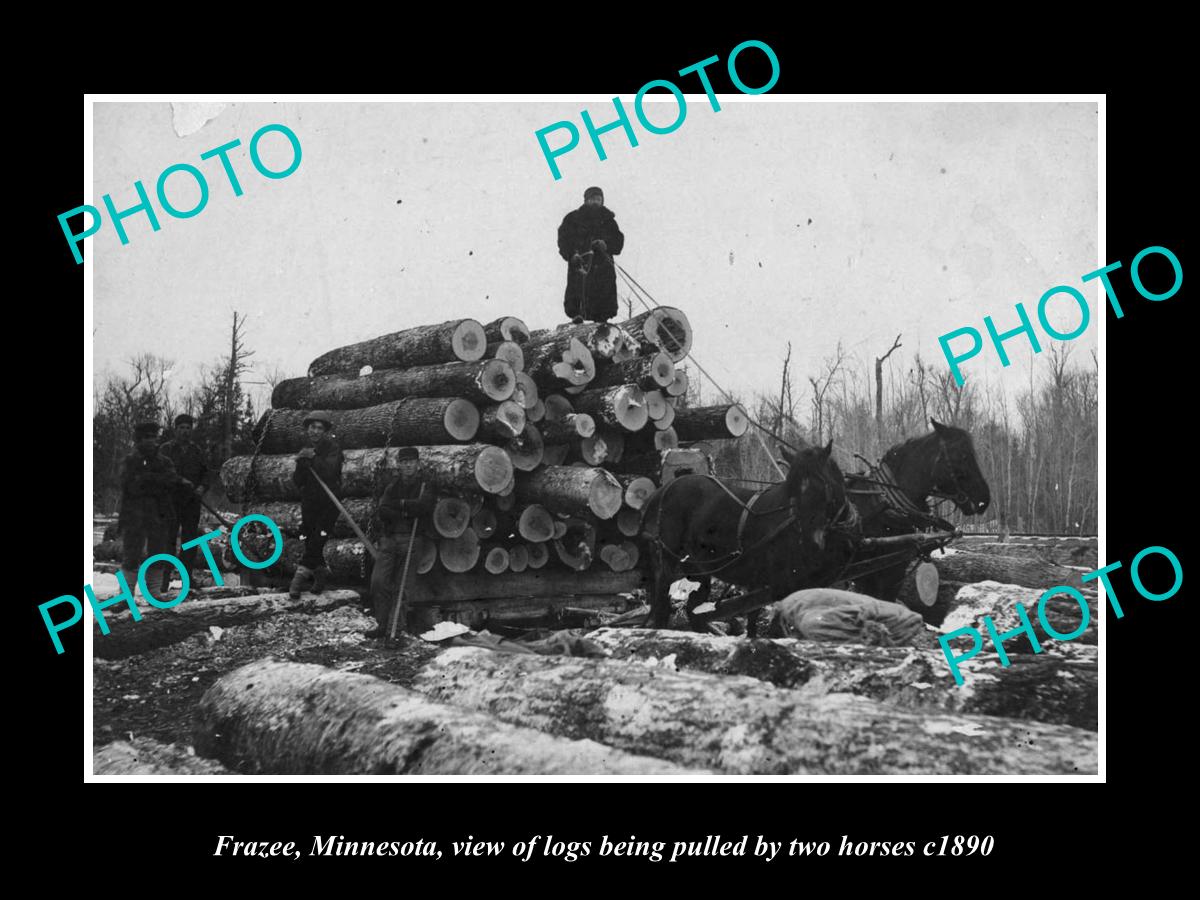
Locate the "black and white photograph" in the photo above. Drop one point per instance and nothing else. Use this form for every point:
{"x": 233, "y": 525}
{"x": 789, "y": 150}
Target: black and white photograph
{"x": 438, "y": 436}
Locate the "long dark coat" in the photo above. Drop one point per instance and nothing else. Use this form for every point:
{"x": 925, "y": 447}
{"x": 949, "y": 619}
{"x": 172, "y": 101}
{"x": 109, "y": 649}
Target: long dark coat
{"x": 593, "y": 296}
{"x": 148, "y": 485}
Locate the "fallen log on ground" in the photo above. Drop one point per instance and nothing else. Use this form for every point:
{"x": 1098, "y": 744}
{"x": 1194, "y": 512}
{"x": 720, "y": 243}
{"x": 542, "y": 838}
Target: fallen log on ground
{"x": 423, "y": 345}
{"x": 990, "y": 598}
{"x": 345, "y": 557}
{"x": 1060, "y": 551}
{"x": 159, "y": 627}
{"x": 146, "y": 756}
{"x": 551, "y": 583}
{"x": 969, "y": 567}
{"x": 367, "y": 473}
{"x": 486, "y": 381}
{"x": 740, "y": 725}
{"x": 292, "y": 718}
{"x": 1058, "y": 687}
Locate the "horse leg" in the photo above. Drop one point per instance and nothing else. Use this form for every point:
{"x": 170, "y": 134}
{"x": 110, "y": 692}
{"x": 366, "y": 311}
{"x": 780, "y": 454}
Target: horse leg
{"x": 660, "y": 598}
{"x": 699, "y": 596}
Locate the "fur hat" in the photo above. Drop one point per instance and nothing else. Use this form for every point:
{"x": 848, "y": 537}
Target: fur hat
{"x": 593, "y": 192}
{"x": 318, "y": 416}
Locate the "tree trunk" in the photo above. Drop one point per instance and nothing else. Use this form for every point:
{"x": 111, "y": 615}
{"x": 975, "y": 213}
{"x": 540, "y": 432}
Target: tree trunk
{"x": 527, "y": 450}
{"x": 990, "y": 598}
{"x": 535, "y": 524}
{"x": 501, "y": 422}
{"x": 968, "y": 567}
{"x": 487, "y": 381}
{"x": 558, "y": 362}
{"x": 1058, "y": 688}
{"x": 424, "y": 345}
{"x": 744, "y": 727}
{"x": 702, "y": 423}
{"x": 526, "y": 392}
{"x": 664, "y": 328}
{"x": 366, "y": 473}
{"x": 160, "y": 627}
{"x": 293, "y": 718}
{"x": 345, "y": 557}
{"x": 418, "y": 420}
{"x": 650, "y": 372}
{"x": 286, "y": 515}
{"x": 568, "y": 428}
{"x": 1060, "y": 551}
{"x": 623, "y": 406}
{"x": 495, "y": 559}
{"x": 679, "y": 386}
{"x": 602, "y": 340}
{"x": 518, "y": 558}
{"x": 638, "y": 489}
{"x": 507, "y": 328}
{"x": 539, "y": 555}
{"x": 510, "y": 352}
{"x": 629, "y": 521}
{"x": 459, "y": 554}
{"x": 451, "y": 517}
{"x": 570, "y": 490}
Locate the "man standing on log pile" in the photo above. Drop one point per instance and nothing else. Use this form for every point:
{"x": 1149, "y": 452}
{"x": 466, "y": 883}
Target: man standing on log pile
{"x": 588, "y": 239}
{"x": 317, "y": 511}
{"x": 188, "y": 458}
{"x": 406, "y": 499}
{"x": 147, "y": 522}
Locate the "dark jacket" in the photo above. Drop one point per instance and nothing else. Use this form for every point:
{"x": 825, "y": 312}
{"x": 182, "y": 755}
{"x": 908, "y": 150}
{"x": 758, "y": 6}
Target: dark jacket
{"x": 326, "y": 461}
{"x": 594, "y": 296}
{"x": 148, "y": 485}
{"x": 190, "y": 463}
{"x": 404, "y": 501}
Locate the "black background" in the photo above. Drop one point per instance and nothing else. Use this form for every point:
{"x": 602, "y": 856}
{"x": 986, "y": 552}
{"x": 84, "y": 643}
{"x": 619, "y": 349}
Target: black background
{"x": 1042, "y": 830}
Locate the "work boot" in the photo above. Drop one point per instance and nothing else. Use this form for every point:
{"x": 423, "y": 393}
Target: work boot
{"x": 577, "y": 320}
{"x": 303, "y": 573}
{"x": 320, "y": 573}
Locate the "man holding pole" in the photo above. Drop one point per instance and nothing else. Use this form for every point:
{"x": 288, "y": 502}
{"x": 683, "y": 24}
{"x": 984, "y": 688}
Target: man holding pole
{"x": 318, "y": 512}
{"x": 406, "y": 500}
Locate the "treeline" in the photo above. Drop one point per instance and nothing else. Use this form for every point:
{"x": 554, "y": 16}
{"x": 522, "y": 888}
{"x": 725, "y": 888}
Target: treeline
{"x": 1037, "y": 446}
{"x": 145, "y": 391}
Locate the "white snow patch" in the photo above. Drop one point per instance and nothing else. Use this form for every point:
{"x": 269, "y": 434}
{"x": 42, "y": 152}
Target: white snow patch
{"x": 970, "y": 729}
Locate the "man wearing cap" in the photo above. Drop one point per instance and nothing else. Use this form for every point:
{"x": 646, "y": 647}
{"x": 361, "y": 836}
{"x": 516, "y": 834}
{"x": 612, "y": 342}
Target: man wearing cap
{"x": 406, "y": 500}
{"x": 189, "y": 461}
{"x": 148, "y": 485}
{"x": 588, "y": 239}
{"x": 317, "y": 512}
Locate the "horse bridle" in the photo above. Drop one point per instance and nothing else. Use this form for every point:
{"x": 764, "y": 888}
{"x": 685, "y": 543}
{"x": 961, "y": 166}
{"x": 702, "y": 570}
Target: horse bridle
{"x": 960, "y": 497}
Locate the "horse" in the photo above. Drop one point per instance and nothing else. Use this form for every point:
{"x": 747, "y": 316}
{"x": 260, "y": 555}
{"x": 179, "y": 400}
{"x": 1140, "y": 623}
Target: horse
{"x": 941, "y": 464}
{"x": 697, "y": 526}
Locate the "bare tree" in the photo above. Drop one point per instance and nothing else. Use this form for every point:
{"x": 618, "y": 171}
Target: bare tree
{"x": 879, "y": 361}
{"x": 820, "y": 386}
{"x": 237, "y": 365}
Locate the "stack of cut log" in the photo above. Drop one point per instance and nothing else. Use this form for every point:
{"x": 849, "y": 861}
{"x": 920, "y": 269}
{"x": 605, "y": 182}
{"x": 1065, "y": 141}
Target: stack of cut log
{"x": 543, "y": 447}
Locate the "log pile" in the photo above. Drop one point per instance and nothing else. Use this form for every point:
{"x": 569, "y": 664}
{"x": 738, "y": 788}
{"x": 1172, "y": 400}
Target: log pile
{"x": 543, "y": 446}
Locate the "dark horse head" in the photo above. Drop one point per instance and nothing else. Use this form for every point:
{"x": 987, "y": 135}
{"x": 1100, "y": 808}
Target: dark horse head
{"x": 947, "y": 467}
{"x": 816, "y": 489}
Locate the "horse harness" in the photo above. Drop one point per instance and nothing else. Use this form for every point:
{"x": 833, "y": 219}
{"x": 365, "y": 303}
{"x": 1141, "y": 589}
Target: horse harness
{"x": 846, "y": 512}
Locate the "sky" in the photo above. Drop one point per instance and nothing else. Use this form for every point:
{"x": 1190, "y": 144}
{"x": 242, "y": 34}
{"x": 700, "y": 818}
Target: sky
{"x": 766, "y": 222}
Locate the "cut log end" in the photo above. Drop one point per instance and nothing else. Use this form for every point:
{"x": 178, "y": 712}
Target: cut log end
{"x": 527, "y": 450}
{"x": 535, "y": 524}
{"x": 496, "y": 560}
{"x": 451, "y": 516}
{"x": 539, "y": 555}
{"x": 459, "y": 554}
{"x": 736, "y": 420}
{"x": 679, "y": 384}
{"x": 510, "y": 352}
{"x": 629, "y": 521}
{"x": 662, "y": 369}
{"x": 605, "y": 496}
{"x": 668, "y": 328}
{"x": 493, "y": 470}
{"x": 461, "y": 419}
{"x": 518, "y": 558}
{"x": 469, "y": 341}
{"x": 637, "y": 491}
{"x": 528, "y": 391}
{"x": 497, "y": 379}
{"x": 666, "y": 439}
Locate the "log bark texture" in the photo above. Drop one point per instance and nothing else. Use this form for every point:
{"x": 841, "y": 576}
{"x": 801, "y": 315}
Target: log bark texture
{"x": 1058, "y": 688}
{"x": 567, "y": 489}
{"x": 702, "y": 423}
{"x": 417, "y": 420}
{"x": 366, "y": 473}
{"x": 990, "y": 598}
{"x": 294, "y": 718}
{"x": 421, "y": 346}
{"x": 740, "y": 725}
{"x": 623, "y": 406}
{"x": 501, "y": 422}
{"x": 486, "y": 381}
{"x": 649, "y": 372}
{"x": 160, "y": 627}
{"x": 146, "y": 756}
{"x": 1059, "y": 551}
{"x": 966, "y": 566}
